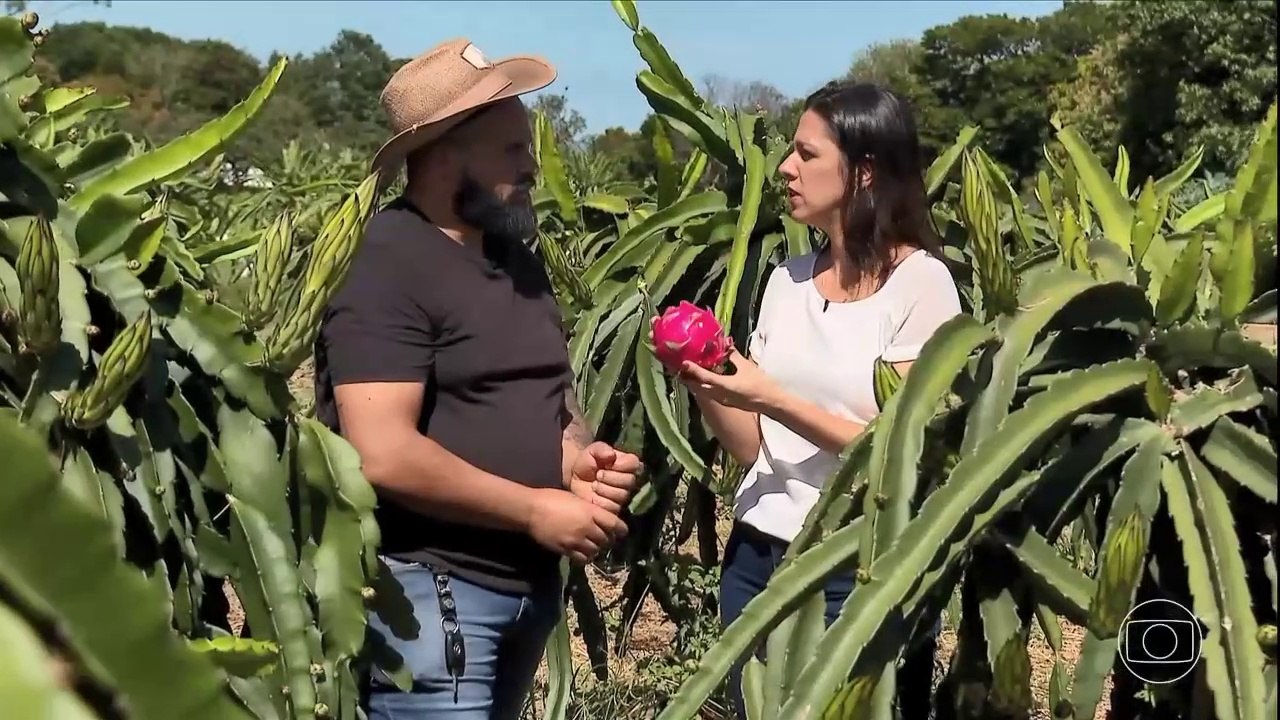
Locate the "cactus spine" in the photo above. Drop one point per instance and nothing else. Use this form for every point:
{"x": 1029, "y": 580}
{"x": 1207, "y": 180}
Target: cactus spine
{"x": 561, "y": 270}
{"x": 990, "y": 264}
{"x": 270, "y": 263}
{"x": 40, "y": 318}
{"x": 885, "y": 381}
{"x": 1011, "y": 677}
{"x": 326, "y": 267}
{"x": 1118, "y": 574}
{"x": 120, "y": 367}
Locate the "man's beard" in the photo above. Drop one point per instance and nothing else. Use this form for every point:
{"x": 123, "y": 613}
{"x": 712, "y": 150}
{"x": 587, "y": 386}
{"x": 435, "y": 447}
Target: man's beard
{"x": 511, "y": 220}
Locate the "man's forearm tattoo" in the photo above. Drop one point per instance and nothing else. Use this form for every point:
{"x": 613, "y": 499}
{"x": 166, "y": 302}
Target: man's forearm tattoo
{"x": 576, "y": 431}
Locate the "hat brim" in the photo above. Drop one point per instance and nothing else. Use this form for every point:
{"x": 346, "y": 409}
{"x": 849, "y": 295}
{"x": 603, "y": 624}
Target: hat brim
{"x": 526, "y": 73}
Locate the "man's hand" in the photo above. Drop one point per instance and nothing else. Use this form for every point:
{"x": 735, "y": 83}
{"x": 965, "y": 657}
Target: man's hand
{"x": 570, "y": 526}
{"x": 605, "y": 476}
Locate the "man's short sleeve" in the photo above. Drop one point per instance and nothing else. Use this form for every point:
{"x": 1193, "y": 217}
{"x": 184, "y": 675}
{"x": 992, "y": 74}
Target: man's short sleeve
{"x": 374, "y": 330}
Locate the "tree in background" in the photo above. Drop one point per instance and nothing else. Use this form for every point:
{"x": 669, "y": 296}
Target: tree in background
{"x": 1179, "y": 75}
{"x": 1193, "y": 74}
{"x": 631, "y": 149}
{"x": 1160, "y": 78}
{"x": 997, "y": 72}
{"x": 341, "y": 86}
{"x": 1091, "y": 101}
{"x": 754, "y": 95}
{"x": 890, "y": 64}
{"x": 566, "y": 123}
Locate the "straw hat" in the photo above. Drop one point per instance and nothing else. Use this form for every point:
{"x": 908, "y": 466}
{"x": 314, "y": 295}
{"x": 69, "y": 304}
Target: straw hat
{"x": 440, "y": 88}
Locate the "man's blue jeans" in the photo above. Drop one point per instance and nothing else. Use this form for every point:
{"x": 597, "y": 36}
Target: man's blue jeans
{"x": 505, "y": 636}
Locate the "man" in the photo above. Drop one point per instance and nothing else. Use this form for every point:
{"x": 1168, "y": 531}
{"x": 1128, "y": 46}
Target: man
{"x": 443, "y": 361}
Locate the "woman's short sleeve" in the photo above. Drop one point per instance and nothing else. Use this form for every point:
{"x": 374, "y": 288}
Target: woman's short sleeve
{"x": 927, "y": 298}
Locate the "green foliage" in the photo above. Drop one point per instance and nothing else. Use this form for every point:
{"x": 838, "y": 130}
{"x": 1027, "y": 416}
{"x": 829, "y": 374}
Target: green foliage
{"x": 1083, "y": 360}
{"x": 1090, "y": 63}
{"x": 1194, "y": 74}
{"x": 1099, "y": 305}
{"x": 160, "y": 455}
{"x": 996, "y": 72}
{"x": 174, "y": 86}
{"x": 134, "y": 654}
{"x": 1101, "y": 397}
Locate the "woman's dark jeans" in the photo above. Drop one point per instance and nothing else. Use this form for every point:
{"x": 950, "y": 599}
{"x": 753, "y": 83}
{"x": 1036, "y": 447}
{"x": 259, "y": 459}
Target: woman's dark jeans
{"x": 750, "y": 558}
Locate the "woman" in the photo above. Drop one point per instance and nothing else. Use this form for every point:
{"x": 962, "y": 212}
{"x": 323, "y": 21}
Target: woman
{"x": 878, "y": 288}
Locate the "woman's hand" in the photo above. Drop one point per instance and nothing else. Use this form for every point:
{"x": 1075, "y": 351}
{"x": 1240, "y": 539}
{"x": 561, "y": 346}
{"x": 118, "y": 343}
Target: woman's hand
{"x": 748, "y": 388}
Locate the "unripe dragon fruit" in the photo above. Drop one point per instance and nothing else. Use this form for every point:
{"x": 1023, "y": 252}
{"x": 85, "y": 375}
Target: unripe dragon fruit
{"x": 688, "y": 332}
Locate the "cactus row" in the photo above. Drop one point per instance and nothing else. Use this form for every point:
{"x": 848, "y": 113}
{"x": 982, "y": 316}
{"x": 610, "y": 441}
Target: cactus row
{"x": 159, "y": 464}
{"x": 1011, "y": 447}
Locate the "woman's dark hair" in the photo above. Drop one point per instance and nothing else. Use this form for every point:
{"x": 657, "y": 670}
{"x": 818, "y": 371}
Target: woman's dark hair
{"x": 874, "y": 125}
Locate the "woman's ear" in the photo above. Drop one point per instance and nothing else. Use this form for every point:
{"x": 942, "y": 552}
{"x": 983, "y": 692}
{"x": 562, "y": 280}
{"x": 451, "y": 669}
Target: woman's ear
{"x": 864, "y": 175}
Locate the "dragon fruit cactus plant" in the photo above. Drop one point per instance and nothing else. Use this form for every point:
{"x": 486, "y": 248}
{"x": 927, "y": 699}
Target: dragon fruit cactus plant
{"x": 686, "y": 332}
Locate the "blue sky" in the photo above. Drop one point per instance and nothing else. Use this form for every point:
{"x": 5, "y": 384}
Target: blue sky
{"x": 794, "y": 44}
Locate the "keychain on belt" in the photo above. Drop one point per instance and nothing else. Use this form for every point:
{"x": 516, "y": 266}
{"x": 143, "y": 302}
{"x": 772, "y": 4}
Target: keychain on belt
{"x": 455, "y": 653}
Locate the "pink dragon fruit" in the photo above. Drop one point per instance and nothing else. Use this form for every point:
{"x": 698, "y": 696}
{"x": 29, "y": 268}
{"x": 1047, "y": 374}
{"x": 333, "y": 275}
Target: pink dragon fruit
{"x": 688, "y": 332}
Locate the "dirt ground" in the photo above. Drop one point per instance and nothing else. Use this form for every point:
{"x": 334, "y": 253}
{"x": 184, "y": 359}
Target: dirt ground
{"x": 654, "y": 635}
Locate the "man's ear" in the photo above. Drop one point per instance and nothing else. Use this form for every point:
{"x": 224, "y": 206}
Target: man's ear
{"x": 441, "y": 160}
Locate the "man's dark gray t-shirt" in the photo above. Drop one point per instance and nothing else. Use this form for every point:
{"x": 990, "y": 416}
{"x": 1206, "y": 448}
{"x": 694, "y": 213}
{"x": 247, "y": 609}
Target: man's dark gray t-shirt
{"x": 482, "y": 330}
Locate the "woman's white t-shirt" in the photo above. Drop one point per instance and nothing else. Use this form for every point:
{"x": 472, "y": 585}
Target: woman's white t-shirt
{"x": 824, "y": 353}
